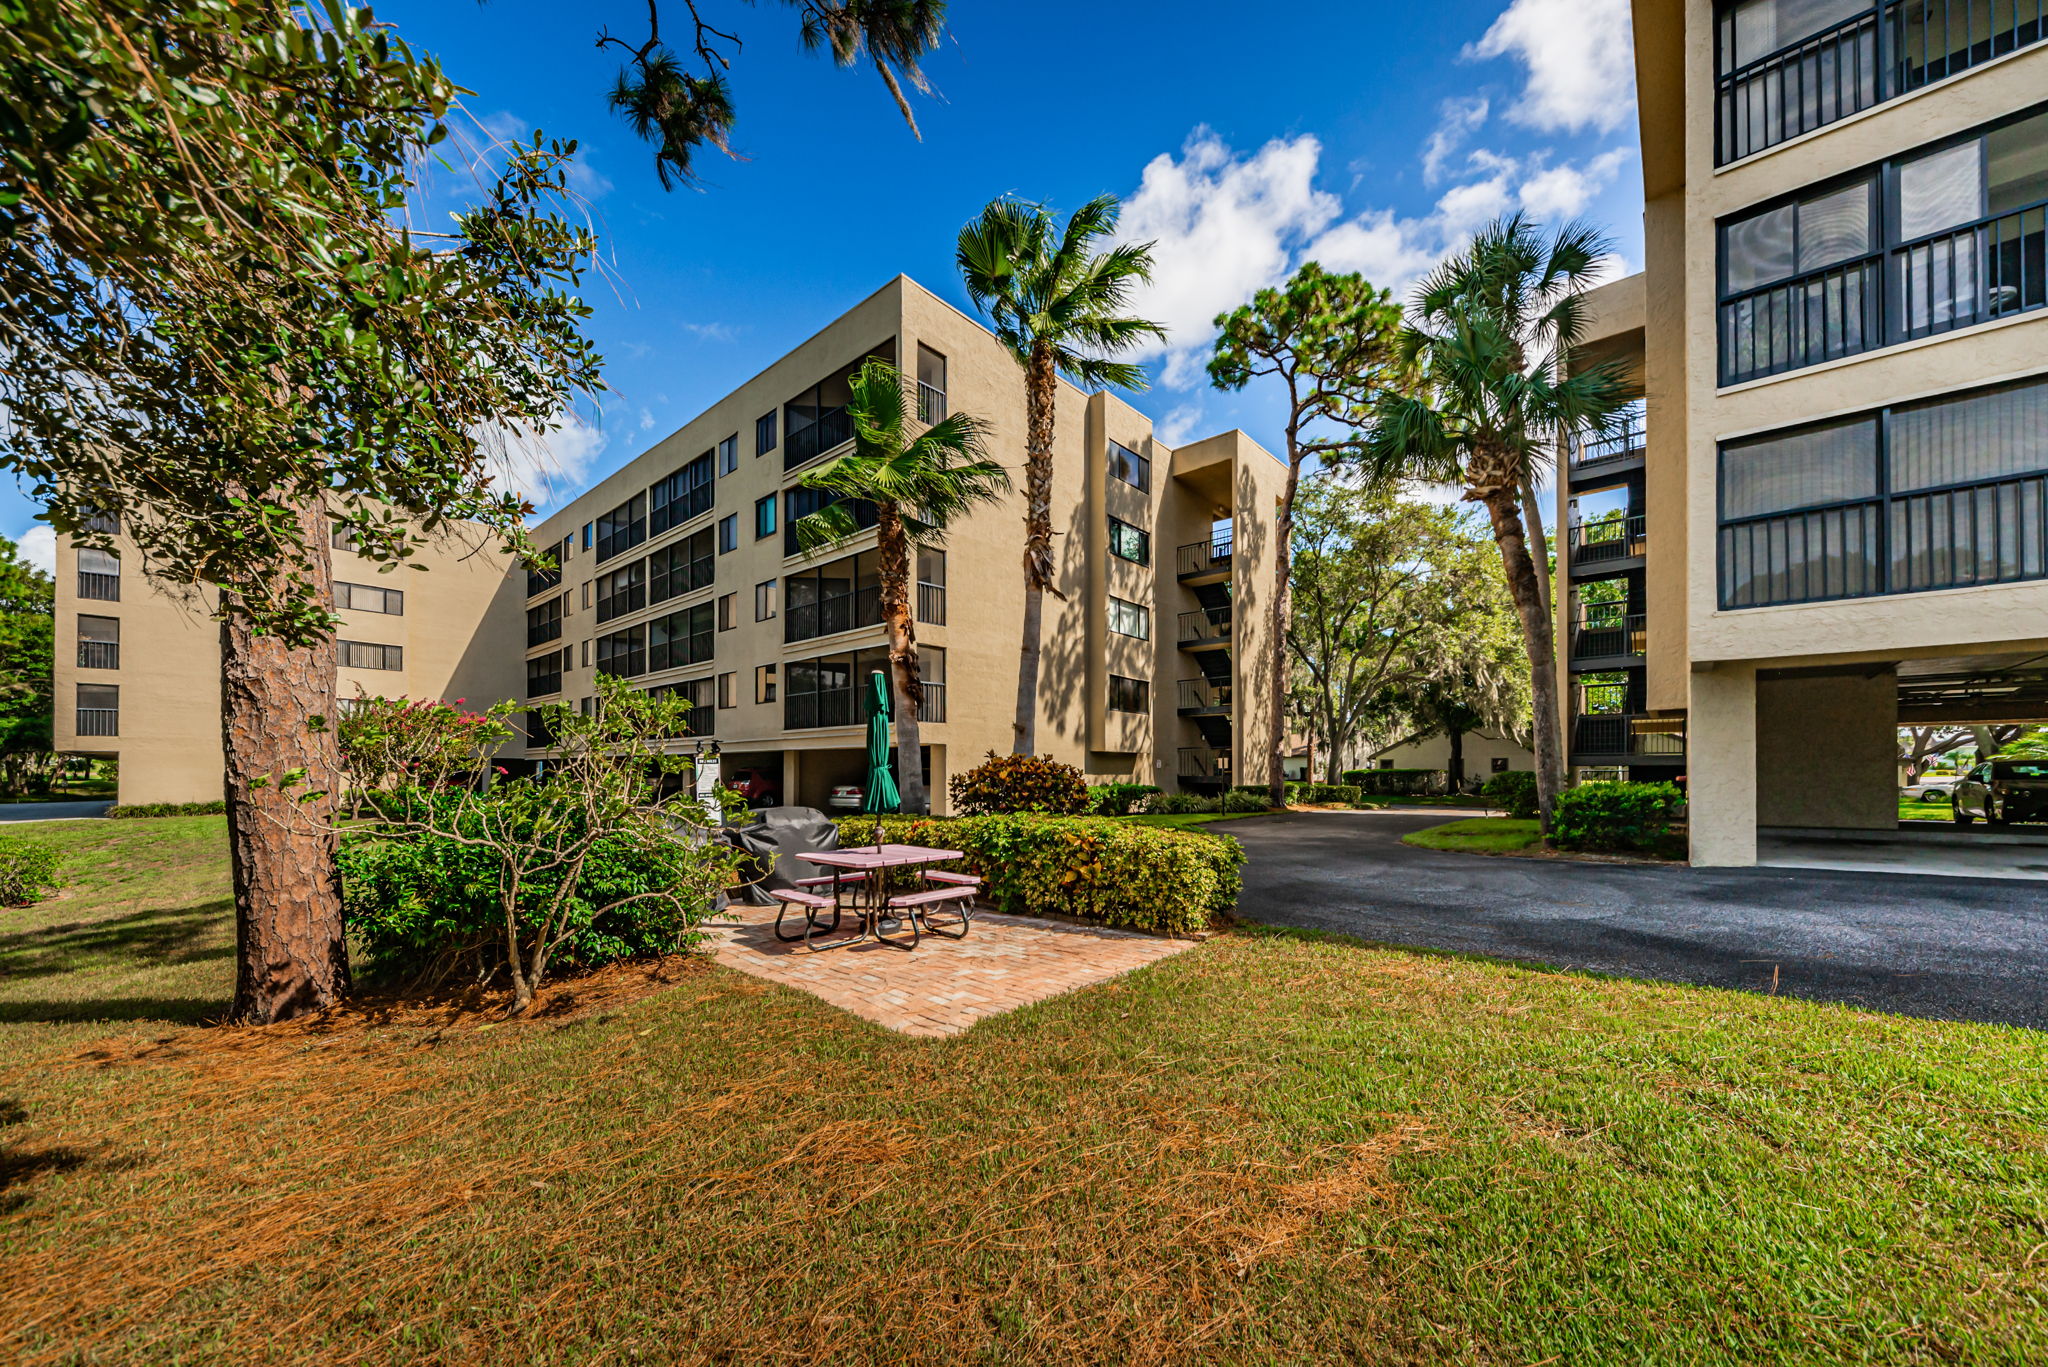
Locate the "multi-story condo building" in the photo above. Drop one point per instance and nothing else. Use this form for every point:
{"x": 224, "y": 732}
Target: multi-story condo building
{"x": 682, "y": 571}
{"x": 1834, "y": 518}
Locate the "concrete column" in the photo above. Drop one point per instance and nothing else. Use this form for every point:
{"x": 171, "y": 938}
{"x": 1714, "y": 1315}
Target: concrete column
{"x": 792, "y": 772}
{"x": 1720, "y": 765}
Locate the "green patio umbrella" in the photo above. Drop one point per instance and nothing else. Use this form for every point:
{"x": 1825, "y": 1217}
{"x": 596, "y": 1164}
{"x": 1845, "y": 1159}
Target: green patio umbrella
{"x": 881, "y": 793}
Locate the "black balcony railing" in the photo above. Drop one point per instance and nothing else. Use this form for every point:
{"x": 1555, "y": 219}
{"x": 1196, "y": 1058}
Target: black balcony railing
{"x": 99, "y": 654}
{"x": 99, "y": 721}
{"x": 1203, "y": 695}
{"x": 539, "y": 735}
{"x": 1204, "y": 625}
{"x": 540, "y": 581}
{"x": 631, "y": 598}
{"x": 1887, "y": 50}
{"x": 1822, "y": 316}
{"x": 832, "y": 614}
{"x": 1203, "y": 557}
{"x": 1628, "y": 735}
{"x": 1606, "y": 635}
{"x": 807, "y": 443}
{"x": 1614, "y": 538}
{"x": 1625, "y": 442}
{"x": 1204, "y": 762}
{"x": 1992, "y": 268}
{"x": 931, "y": 403}
{"x": 540, "y": 633}
{"x": 934, "y": 703}
{"x": 865, "y": 515}
{"x": 931, "y": 604}
{"x": 104, "y": 587}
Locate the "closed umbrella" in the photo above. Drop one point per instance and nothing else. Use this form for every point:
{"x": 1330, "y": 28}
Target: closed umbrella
{"x": 881, "y": 790}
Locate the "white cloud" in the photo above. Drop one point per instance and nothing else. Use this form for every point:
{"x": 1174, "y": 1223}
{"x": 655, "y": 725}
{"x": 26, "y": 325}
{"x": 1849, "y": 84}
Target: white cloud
{"x": 39, "y": 547}
{"x": 1225, "y": 226}
{"x": 1460, "y": 119}
{"x": 1178, "y": 426}
{"x": 544, "y": 465}
{"x": 1580, "y": 60}
{"x": 1557, "y": 193}
{"x": 585, "y": 180}
{"x": 712, "y": 332}
{"x": 1385, "y": 250}
{"x": 646, "y": 420}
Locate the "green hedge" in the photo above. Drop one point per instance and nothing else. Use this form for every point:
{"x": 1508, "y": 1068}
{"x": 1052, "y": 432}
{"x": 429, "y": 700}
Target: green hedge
{"x": 28, "y": 871}
{"x": 169, "y": 809}
{"x": 1095, "y": 869}
{"x": 1514, "y": 789}
{"x": 1615, "y": 816}
{"x": 1345, "y": 793}
{"x": 1116, "y": 799}
{"x": 1397, "y": 782}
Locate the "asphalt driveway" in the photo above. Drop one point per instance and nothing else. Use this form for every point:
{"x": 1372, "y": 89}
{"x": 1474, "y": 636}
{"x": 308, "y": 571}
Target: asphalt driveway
{"x": 1951, "y": 948}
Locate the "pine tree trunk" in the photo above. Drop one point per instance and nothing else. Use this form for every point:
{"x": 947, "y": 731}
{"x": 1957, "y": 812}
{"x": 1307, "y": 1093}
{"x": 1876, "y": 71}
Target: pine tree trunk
{"x": 1041, "y": 391}
{"x": 893, "y": 552}
{"x": 1276, "y": 648}
{"x": 1538, "y": 642}
{"x": 291, "y": 958}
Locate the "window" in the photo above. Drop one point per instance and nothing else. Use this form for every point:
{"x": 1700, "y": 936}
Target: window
{"x": 681, "y": 567}
{"x": 586, "y": 595}
{"x": 1130, "y": 543}
{"x": 728, "y": 533}
{"x": 1130, "y": 619}
{"x": 931, "y": 385}
{"x": 1942, "y": 239}
{"x": 1499, "y": 764}
{"x": 623, "y": 654}
{"x": 838, "y": 596}
{"x": 1129, "y": 695}
{"x": 830, "y": 690}
{"x": 364, "y": 655}
{"x": 729, "y": 689}
{"x": 622, "y": 591}
{"x": 1932, "y": 495}
{"x": 764, "y": 601}
{"x": 728, "y": 611}
{"x": 99, "y": 575}
{"x": 1130, "y": 467}
{"x": 586, "y": 654}
{"x": 544, "y": 622}
{"x": 99, "y": 642}
{"x": 544, "y": 674}
{"x": 729, "y": 454}
{"x": 931, "y": 586}
{"x": 681, "y": 638}
{"x": 541, "y": 580}
{"x": 586, "y": 534}
{"x": 764, "y": 516}
{"x": 931, "y": 668}
{"x": 623, "y": 528}
{"x": 764, "y": 683}
{"x": 764, "y": 433}
{"x": 588, "y": 707}
{"x": 702, "y": 720}
{"x": 802, "y": 502}
{"x": 369, "y": 598}
{"x": 816, "y": 421}
{"x": 99, "y": 520}
{"x": 683, "y": 495}
{"x": 99, "y": 710}
{"x": 539, "y": 735}
{"x": 341, "y": 536}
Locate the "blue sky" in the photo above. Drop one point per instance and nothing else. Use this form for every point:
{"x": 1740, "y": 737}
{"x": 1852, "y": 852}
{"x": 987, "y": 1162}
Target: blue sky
{"x": 1370, "y": 136}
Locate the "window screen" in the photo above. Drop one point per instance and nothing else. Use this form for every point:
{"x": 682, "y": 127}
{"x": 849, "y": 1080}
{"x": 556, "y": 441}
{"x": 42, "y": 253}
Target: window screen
{"x": 1979, "y": 437}
{"x": 1941, "y": 190}
{"x": 1829, "y": 464}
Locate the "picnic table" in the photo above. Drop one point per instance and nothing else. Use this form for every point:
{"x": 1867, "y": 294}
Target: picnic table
{"x": 861, "y": 870}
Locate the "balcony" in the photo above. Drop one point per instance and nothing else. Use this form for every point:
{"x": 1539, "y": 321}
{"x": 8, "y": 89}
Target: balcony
{"x": 544, "y": 685}
{"x": 931, "y": 403}
{"x": 1603, "y": 635}
{"x": 1203, "y": 697}
{"x": 1627, "y": 737}
{"x": 805, "y": 444}
{"x": 1605, "y": 543}
{"x": 106, "y": 588}
{"x": 99, "y": 721}
{"x": 540, "y": 581}
{"x": 539, "y": 735}
{"x": 99, "y": 654}
{"x": 540, "y": 633}
{"x": 1203, "y": 559}
{"x": 934, "y": 703}
{"x": 832, "y": 614}
{"x": 931, "y": 603}
{"x": 1205, "y": 764}
{"x": 1205, "y": 628}
{"x": 1616, "y": 448}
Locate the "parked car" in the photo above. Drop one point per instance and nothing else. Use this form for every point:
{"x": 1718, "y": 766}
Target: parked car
{"x": 757, "y": 787}
{"x": 2002, "y": 791}
{"x": 846, "y": 797}
{"x": 1931, "y": 787}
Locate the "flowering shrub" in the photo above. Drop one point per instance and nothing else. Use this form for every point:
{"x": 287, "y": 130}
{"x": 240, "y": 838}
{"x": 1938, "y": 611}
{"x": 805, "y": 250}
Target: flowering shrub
{"x": 420, "y": 742}
{"x": 1020, "y": 783}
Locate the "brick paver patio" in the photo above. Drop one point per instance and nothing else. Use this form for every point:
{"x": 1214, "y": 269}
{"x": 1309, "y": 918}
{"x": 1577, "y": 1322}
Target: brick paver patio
{"x": 945, "y": 985}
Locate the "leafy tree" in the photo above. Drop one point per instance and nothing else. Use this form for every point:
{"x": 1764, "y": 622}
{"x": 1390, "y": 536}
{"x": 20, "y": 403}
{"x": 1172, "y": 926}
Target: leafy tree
{"x": 1398, "y": 616}
{"x": 918, "y": 485}
{"x": 1060, "y": 307}
{"x": 1328, "y": 340}
{"x": 1495, "y": 333}
{"x": 27, "y": 650}
{"x": 221, "y": 333}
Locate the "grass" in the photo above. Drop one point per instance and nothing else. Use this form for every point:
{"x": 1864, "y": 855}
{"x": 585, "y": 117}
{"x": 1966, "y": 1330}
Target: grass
{"x": 1478, "y": 835}
{"x": 1274, "y": 1148}
{"x": 1458, "y": 800}
{"x": 1181, "y": 821}
{"x": 1925, "y": 811}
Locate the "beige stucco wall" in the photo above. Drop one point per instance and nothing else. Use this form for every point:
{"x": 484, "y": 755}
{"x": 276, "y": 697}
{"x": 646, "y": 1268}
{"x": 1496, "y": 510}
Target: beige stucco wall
{"x": 1827, "y": 750}
{"x": 1481, "y": 749}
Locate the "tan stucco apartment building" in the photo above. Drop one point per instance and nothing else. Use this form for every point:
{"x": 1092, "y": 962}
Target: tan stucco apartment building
{"x": 1832, "y": 519}
{"x": 681, "y": 571}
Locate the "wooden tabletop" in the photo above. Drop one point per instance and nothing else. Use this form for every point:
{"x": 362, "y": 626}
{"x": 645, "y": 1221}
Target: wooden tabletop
{"x": 882, "y": 857}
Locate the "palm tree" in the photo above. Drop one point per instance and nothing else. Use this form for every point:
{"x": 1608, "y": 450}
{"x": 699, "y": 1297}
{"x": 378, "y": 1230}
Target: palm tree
{"x": 1494, "y": 332}
{"x": 918, "y": 486}
{"x": 1061, "y": 308}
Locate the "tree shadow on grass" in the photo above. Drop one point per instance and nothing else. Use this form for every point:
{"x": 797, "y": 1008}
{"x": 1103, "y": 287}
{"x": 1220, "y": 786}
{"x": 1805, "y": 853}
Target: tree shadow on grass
{"x": 139, "y": 939}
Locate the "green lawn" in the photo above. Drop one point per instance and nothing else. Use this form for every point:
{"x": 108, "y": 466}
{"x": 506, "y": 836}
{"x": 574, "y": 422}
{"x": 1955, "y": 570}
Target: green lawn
{"x": 1183, "y": 821}
{"x": 1478, "y": 835}
{"x": 1273, "y": 1148}
{"x": 1458, "y": 800}
{"x": 1925, "y": 811}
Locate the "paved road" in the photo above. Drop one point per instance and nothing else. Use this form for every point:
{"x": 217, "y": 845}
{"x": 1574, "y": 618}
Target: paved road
{"x": 50, "y": 811}
{"x": 1951, "y": 948}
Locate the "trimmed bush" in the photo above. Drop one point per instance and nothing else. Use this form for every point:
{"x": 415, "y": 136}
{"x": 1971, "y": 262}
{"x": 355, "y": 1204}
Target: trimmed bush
{"x": 1345, "y": 793}
{"x": 1116, "y": 799}
{"x": 1615, "y": 816}
{"x": 1181, "y": 804}
{"x": 1004, "y": 784}
{"x": 147, "y": 809}
{"x": 1246, "y": 800}
{"x": 1514, "y": 789}
{"x": 28, "y": 871}
{"x": 1398, "y": 782}
{"x": 1098, "y": 869}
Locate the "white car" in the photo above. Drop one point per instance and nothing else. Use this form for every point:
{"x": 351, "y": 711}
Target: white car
{"x": 1932, "y": 788}
{"x": 846, "y": 798}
